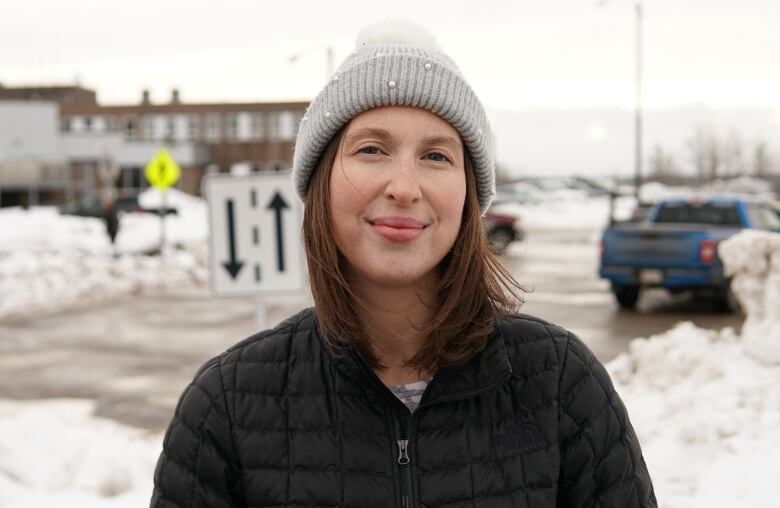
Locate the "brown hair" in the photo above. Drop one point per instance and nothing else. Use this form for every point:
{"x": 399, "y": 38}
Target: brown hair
{"x": 474, "y": 290}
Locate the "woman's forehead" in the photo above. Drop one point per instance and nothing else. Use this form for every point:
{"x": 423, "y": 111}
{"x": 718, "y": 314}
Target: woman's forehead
{"x": 402, "y": 122}
{"x": 391, "y": 120}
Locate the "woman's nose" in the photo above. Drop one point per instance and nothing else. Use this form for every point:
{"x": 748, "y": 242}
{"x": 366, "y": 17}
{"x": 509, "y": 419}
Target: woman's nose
{"x": 404, "y": 183}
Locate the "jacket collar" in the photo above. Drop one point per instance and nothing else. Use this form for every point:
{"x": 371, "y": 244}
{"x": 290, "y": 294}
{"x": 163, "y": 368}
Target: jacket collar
{"x": 485, "y": 370}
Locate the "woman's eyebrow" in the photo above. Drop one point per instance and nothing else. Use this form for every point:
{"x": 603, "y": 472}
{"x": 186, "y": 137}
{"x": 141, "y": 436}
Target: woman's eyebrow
{"x": 366, "y": 132}
{"x": 450, "y": 141}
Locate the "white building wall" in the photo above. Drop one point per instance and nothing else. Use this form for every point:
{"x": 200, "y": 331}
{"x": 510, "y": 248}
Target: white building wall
{"x": 29, "y": 129}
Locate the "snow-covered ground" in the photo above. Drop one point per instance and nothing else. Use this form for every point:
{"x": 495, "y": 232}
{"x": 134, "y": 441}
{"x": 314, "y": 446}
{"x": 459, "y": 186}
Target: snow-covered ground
{"x": 55, "y": 453}
{"x": 705, "y": 403}
{"x": 568, "y": 210}
{"x": 558, "y": 207}
{"x": 49, "y": 261}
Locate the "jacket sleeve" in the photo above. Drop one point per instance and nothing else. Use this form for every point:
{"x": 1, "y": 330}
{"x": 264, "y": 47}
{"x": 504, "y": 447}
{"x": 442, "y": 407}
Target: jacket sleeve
{"x": 198, "y": 466}
{"x": 601, "y": 462}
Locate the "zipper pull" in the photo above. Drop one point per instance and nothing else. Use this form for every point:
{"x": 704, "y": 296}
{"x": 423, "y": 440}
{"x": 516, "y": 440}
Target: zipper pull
{"x": 403, "y": 458}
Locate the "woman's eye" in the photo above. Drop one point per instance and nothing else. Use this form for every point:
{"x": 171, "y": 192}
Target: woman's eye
{"x": 369, "y": 150}
{"x": 437, "y": 157}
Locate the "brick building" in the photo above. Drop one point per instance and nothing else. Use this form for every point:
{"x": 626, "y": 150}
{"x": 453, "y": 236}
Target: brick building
{"x": 204, "y": 137}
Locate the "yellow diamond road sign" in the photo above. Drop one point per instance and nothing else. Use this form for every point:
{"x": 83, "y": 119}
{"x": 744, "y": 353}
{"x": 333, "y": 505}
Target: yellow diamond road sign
{"x": 162, "y": 171}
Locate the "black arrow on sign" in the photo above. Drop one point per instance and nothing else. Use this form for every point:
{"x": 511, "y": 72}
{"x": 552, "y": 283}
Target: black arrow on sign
{"x": 278, "y": 203}
{"x": 233, "y": 266}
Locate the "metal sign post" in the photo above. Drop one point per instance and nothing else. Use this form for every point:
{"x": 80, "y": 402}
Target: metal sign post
{"x": 162, "y": 172}
{"x": 255, "y": 242}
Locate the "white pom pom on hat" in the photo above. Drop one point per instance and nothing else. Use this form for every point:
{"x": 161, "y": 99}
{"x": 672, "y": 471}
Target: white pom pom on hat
{"x": 397, "y": 31}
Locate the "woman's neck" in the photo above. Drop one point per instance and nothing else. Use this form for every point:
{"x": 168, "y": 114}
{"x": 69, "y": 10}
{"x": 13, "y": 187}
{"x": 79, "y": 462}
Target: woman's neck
{"x": 393, "y": 317}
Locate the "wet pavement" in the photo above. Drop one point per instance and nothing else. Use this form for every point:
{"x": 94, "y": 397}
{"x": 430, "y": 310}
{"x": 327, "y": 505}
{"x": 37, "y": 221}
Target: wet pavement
{"x": 562, "y": 270}
{"x": 135, "y": 355}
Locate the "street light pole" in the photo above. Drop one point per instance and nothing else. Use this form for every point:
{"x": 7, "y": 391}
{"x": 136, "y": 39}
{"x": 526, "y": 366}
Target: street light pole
{"x": 638, "y": 98}
{"x": 638, "y": 106}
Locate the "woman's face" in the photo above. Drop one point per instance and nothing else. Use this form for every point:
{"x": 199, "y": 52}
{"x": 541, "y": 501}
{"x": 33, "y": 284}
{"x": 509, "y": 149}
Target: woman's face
{"x": 397, "y": 190}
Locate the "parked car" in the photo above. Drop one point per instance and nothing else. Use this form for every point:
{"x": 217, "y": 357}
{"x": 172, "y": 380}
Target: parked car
{"x": 501, "y": 230}
{"x": 90, "y": 206}
{"x": 677, "y": 247}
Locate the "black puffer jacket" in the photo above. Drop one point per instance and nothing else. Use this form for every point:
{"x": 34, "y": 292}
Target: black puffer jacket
{"x": 276, "y": 421}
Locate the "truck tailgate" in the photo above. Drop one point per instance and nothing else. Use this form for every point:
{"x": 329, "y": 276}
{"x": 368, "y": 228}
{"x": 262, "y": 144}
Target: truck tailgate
{"x": 658, "y": 246}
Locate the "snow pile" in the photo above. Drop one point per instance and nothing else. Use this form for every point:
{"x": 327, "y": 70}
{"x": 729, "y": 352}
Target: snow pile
{"x": 49, "y": 261}
{"x": 753, "y": 259}
{"x": 55, "y": 452}
{"x": 705, "y": 405}
{"x": 188, "y": 227}
{"x": 744, "y": 186}
{"x": 574, "y": 211}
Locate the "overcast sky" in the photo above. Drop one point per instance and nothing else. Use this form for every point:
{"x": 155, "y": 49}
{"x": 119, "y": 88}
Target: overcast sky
{"x": 518, "y": 54}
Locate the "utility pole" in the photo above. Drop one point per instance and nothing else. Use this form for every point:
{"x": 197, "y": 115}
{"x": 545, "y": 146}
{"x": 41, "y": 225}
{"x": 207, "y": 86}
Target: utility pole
{"x": 638, "y": 106}
{"x": 638, "y": 96}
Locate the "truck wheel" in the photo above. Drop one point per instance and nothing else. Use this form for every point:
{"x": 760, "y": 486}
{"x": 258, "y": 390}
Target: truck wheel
{"x": 499, "y": 240}
{"x": 626, "y": 296}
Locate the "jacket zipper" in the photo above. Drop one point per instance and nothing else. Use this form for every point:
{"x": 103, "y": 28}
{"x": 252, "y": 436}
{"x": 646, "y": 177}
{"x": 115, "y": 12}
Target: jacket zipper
{"x": 403, "y": 426}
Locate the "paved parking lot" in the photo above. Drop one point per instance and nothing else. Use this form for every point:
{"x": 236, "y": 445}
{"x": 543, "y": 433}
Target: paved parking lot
{"x": 134, "y": 355}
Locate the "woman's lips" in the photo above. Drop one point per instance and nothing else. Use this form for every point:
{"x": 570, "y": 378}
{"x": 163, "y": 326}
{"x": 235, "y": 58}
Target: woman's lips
{"x": 397, "y": 229}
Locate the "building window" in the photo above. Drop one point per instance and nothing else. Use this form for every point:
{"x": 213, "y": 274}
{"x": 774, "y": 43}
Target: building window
{"x": 256, "y": 126}
{"x": 131, "y": 129}
{"x": 76, "y": 124}
{"x": 192, "y": 127}
{"x": 131, "y": 177}
{"x": 170, "y": 127}
{"x": 231, "y": 124}
{"x": 274, "y": 125}
{"x": 87, "y": 123}
{"x": 288, "y": 125}
{"x": 66, "y": 127}
{"x": 147, "y": 126}
{"x": 277, "y": 166}
{"x": 99, "y": 124}
{"x": 298, "y": 118}
{"x": 212, "y": 127}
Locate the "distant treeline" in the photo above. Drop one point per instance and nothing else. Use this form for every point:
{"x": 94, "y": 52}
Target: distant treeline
{"x": 709, "y": 155}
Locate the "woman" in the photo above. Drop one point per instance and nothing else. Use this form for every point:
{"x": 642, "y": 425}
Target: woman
{"x": 411, "y": 382}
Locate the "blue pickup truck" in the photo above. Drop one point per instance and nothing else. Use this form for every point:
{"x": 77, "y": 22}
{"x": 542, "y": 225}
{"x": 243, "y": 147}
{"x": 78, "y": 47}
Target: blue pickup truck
{"x": 677, "y": 247}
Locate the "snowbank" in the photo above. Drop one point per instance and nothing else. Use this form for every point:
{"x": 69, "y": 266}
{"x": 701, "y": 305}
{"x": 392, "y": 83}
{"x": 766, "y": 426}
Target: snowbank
{"x": 753, "y": 259}
{"x": 188, "y": 228}
{"x": 55, "y": 452}
{"x": 50, "y": 261}
{"x": 554, "y": 206}
{"x": 572, "y": 211}
{"x": 744, "y": 186}
{"x": 706, "y": 404}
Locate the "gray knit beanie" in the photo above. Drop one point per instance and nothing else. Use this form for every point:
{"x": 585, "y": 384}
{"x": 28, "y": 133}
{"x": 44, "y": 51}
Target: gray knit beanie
{"x": 396, "y": 63}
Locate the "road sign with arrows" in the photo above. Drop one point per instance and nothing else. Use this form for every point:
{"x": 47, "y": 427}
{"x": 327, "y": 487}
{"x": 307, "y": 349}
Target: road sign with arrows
{"x": 255, "y": 240}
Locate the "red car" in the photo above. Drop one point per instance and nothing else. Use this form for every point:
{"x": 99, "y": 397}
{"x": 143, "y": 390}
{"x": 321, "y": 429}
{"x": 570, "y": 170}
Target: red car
{"x": 501, "y": 230}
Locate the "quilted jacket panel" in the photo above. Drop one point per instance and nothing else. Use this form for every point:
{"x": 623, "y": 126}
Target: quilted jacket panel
{"x": 532, "y": 421}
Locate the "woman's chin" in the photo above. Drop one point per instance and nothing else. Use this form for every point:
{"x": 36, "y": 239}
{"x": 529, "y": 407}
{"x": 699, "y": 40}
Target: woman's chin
{"x": 396, "y": 277}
